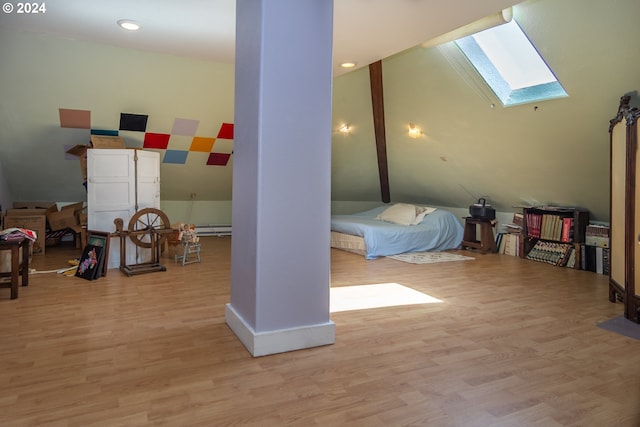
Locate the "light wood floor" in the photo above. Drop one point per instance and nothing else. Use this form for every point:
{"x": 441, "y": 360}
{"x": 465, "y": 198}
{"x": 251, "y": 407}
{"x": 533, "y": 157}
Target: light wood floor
{"x": 513, "y": 343}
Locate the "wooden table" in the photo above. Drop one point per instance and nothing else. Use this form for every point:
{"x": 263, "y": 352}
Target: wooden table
{"x": 17, "y": 268}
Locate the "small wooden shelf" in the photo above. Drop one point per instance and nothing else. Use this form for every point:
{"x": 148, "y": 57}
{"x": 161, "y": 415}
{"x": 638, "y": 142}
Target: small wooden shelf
{"x": 553, "y": 224}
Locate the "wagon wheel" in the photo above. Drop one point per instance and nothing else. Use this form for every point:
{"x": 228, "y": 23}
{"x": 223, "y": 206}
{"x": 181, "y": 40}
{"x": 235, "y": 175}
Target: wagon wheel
{"x": 147, "y": 219}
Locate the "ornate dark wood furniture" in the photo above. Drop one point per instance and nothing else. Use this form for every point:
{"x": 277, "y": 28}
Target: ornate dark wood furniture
{"x": 624, "y": 278}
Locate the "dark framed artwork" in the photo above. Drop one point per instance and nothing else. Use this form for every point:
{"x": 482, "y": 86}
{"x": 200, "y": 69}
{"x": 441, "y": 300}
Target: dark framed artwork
{"x": 89, "y": 266}
{"x": 101, "y": 239}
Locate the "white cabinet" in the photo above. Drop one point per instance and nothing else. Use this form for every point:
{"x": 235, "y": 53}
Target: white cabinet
{"x": 119, "y": 183}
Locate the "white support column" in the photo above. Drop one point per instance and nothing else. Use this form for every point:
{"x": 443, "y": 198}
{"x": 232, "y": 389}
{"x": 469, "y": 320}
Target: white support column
{"x": 280, "y": 267}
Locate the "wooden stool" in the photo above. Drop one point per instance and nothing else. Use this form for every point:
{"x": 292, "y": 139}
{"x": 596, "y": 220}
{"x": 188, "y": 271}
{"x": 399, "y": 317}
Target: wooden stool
{"x": 487, "y": 242}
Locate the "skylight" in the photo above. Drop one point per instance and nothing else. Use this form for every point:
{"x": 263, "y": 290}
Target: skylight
{"x": 511, "y": 65}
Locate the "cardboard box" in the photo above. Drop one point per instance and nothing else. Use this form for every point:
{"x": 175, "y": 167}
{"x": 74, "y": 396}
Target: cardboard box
{"x": 66, "y": 217}
{"x": 46, "y": 206}
{"x": 34, "y": 205}
{"x": 96, "y": 141}
{"x": 82, "y": 218}
{"x": 80, "y": 151}
{"x": 27, "y": 212}
{"x": 36, "y": 223}
{"x": 106, "y": 141}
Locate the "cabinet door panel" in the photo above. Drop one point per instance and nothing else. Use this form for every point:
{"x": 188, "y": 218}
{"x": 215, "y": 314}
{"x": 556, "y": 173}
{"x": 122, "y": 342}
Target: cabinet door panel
{"x": 618, "y": 176}
{"x": 111, "y": 195}
{"x": 635, "y": 244}
{"x": 148, "y": 191}
{"x": 148, "y": 175}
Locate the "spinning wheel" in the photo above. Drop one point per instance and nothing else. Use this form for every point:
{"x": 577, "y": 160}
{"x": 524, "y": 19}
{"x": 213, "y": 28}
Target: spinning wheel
{"x": 148, "y": 228}
{"x": 148, "y": 219}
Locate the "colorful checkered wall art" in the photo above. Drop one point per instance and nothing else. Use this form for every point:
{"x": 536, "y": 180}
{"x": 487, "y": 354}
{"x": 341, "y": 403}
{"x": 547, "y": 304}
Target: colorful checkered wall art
{"x": 133, "y": 122}
{"x": 218, "y": 159}
{"x": 156, "y": 140}
{"x": 182, "y": 140}
{"x": 104, "y": 132}
{"x": 185, "y": 127}
{"x": 178, "y": 157}
{"x": 80, "y": 119}
{"x": 202, "y": 144}
{"x": 226, "y": 131}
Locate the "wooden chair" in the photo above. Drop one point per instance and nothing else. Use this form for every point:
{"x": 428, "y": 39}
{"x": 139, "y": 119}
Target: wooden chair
{"x": 189, "y": 244}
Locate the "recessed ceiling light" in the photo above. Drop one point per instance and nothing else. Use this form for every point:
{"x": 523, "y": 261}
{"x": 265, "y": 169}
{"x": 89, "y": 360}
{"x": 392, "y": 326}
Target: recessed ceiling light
{"x": 129, "y": 25}
{"x": 348, "y": 64}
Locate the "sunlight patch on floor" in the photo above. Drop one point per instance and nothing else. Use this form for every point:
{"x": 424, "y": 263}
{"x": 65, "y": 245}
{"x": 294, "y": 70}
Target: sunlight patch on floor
{"x": 361, "y": 297}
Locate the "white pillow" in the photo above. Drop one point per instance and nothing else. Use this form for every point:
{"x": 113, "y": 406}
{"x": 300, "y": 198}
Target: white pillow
{"x": 421, "y": 212}
{"x": 404, "y": 214}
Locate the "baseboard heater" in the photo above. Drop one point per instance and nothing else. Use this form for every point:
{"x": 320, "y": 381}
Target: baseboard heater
{"x": 213, "y": 230}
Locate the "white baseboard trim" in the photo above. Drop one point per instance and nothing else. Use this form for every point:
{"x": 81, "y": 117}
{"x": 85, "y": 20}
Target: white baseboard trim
{"x": 279, "y": 341}
{"x": 213, "y": 230}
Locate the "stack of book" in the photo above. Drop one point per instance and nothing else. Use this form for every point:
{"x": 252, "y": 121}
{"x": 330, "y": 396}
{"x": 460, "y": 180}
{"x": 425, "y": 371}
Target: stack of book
{"x": 597, "y": 235}
{"x": 508, "y": 241}
{"x": 595, "y": 251}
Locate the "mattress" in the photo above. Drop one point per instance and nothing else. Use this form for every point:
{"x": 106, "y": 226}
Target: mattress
{"x": 348, "y": 242}
{"x": 438, "y": 231}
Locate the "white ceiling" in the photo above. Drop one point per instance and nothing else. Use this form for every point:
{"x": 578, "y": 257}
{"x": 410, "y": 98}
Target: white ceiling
{"x": 364, "y": 30}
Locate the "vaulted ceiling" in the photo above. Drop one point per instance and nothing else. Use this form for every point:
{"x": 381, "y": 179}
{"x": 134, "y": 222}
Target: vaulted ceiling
{"x": 364, "y": 30}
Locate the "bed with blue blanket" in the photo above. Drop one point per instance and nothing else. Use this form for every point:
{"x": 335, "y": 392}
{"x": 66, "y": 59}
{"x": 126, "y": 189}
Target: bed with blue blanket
{"x": 378, "y": 232}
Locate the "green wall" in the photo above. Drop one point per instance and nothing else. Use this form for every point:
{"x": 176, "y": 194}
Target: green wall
{"x": 555, "y": 154}
{"x": 40, "y": 74}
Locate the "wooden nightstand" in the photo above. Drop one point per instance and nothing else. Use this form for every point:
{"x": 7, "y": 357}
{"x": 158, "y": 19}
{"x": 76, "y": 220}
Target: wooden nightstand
{"x": 487, "y": 242}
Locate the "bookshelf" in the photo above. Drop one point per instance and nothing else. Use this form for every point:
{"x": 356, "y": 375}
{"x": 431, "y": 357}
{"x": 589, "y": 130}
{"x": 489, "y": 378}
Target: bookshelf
{"x": 554, "y": 234}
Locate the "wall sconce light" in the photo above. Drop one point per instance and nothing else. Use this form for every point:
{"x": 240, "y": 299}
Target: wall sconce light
{"x": 344, "y": 129}
{"x": 414, "y": 131}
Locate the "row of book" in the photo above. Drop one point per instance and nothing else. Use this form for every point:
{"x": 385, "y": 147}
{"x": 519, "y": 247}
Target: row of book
{"x": 555, "y": 253}
{"x": 595, "y": 258}
{"x": 508, "y": 243}
{"x": 572, "y": 255}
{"x": 550, "y": 227}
